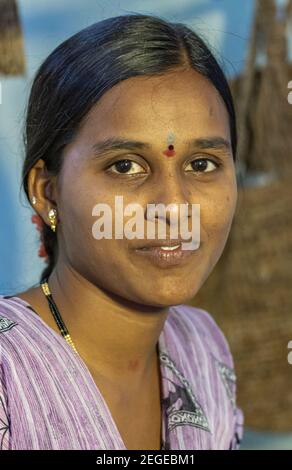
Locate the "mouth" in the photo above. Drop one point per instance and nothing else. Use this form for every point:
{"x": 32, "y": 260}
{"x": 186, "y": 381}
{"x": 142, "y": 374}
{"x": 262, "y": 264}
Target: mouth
{"x": 164, "y": 248}
{"x": 165, "y": 256}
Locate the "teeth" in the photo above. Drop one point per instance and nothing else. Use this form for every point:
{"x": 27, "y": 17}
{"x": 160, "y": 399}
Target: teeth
{"x": 169, "y": 247}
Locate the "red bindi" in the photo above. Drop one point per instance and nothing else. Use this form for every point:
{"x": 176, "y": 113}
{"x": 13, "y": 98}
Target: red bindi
{"x": 170, "y": 151}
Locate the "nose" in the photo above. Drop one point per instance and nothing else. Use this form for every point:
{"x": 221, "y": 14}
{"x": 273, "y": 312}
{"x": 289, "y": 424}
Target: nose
{"x": 171, "y": 200}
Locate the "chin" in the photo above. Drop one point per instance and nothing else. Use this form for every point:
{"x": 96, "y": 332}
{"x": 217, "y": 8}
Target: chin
{"x": 168, "y": 297}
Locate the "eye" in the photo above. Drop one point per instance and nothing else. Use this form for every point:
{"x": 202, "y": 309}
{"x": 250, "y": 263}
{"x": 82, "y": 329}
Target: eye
{"x": 203, "y": 165}
{"x": 128, "y": 167}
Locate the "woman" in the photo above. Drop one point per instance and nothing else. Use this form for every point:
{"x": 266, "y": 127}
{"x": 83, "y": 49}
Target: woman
{"x": 104, "y": 353}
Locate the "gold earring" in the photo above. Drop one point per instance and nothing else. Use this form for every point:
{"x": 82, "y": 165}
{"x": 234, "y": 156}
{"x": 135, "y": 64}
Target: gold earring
{"x": 53, "y": 218}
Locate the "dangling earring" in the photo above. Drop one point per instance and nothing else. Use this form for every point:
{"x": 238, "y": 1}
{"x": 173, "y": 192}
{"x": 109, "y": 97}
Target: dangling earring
{"x": 34, "y": 200}
{"x": 53, "y": 218}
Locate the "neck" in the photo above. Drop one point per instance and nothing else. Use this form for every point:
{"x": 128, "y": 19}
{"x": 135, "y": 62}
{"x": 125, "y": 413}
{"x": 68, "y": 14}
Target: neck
{"x": 116, "y": 338}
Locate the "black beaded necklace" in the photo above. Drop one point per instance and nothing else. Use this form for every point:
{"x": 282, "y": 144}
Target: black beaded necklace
{"x": 56, "y": 314}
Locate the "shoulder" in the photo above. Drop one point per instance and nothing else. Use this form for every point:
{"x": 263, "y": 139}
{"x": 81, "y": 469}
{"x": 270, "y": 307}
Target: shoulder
{"x": 14, "y": 308}
{"x": 20, "y": 328}
{"x": 198, "y": 325}
{"x": 201, "y": 335}
{"x": 11, "y": 308}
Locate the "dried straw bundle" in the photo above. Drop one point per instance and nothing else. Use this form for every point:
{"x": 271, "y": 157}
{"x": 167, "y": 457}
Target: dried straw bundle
{"x": 250, "y": 290}
{"x": 12, "y": 60}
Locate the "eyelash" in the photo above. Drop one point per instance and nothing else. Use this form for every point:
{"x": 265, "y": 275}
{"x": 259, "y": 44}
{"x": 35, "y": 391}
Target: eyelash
{"x": 216, "y": 163}
{"x": 204, "y": 159}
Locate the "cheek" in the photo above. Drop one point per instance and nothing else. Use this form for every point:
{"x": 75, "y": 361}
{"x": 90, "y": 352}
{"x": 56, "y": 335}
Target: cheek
{"x": 80, "y": 198}
{"x": 76, "y": 218}
{"x": 217, "y": 212}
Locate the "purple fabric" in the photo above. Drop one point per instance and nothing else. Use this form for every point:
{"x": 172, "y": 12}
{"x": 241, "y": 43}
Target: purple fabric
{"x": 49, "y": 400}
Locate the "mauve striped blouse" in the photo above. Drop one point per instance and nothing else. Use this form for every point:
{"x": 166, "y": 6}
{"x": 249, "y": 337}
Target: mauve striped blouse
{"x": 49, "y": 400}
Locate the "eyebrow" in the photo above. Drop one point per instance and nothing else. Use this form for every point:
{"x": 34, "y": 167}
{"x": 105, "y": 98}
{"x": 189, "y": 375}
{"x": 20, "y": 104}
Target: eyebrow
{"x": 120, "y": 143}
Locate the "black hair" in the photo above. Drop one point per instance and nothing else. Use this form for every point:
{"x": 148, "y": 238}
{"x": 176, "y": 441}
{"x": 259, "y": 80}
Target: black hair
{"x": 82, "y": 68}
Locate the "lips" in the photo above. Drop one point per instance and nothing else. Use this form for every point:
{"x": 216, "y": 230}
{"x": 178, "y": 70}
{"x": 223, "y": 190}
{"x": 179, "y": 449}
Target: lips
{"x": 162, "y": 247}
{"x": 164, "y": 258}
{"x": 161, "y": 244}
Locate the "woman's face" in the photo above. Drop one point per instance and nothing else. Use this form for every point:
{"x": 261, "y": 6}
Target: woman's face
{"x": 148, "y": 109}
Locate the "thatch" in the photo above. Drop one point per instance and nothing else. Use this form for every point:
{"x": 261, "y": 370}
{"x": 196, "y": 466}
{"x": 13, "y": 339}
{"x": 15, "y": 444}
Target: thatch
{"x": 264, "y": 114}
{"x": 250, "y": 295}
{"x": 12, "y": 60}
{"x": 250, "y": 290}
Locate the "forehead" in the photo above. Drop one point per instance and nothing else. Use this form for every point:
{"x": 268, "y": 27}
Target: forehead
{"x": 183, "y": 100}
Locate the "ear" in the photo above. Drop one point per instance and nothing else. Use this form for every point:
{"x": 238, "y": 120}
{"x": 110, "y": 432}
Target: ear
{"x": 42, "y": 185}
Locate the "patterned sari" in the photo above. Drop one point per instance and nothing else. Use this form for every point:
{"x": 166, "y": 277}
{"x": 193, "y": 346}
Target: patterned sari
{"x": 49, "y": 400}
